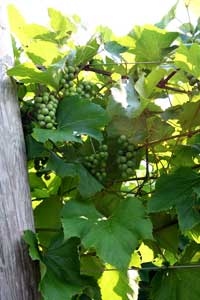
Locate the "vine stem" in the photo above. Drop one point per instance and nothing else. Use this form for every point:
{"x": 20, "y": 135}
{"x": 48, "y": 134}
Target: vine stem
{"x": 188, "y": 134}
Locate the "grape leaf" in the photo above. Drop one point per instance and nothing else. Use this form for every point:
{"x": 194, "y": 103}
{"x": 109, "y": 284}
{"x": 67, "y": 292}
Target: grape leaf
{"x": 80, "y": 116}
{"x": 115, "y": 285}
{"x": 85, "y": 53}
{"x": 168, "y": 17}
{"x": 61, "y": 275}
{"x": 28, "y": 73}
{"x": 87, "y": 186}
{"x": 49, "y": 207}
{"x": 177, "y": 191}
{"x": 150, "y": 42}
{"x": 188, "y": 59}
{"x": 60, "y": 23}
{"x": 43, "y": 135}
{"x": 124, "y": 100}
{"x": 122, "y": 231}
{"x": 176, "y": 285}
{"x": 31, "y": 240}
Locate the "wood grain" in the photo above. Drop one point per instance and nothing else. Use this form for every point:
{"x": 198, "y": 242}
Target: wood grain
{"x": 18, "y": 275}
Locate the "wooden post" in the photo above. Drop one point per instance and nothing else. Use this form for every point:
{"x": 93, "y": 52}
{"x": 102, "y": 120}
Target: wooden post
{"x": 17, "y": 272}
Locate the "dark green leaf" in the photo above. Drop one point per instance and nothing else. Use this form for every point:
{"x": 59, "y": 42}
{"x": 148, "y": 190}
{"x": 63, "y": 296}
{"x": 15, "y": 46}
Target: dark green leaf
{"x": 176, "y": 285}
{"x": 87, "y": 186}
{"x": 118, "y": 232}
{"x": 31, "y": 240}
{"x": 80, "y": 116}
{"x": 177, "y": 191}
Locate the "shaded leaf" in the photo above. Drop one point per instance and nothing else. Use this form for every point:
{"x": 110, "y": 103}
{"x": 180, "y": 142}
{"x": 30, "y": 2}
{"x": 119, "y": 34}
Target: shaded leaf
{"x": 177, "y": 191}
{"x": 176, "y": 285}
{"x": 80, "y": 116}
{"x": 118, "y": 232}
{"x": 87, "y": 186}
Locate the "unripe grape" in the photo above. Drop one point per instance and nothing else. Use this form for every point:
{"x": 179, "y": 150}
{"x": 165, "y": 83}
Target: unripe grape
{"x": 49, "y": 125}
{"x": 45, "y": 111}
{"x": 71, "y": 69}
{"x": 47, "y": 119}
{"x": 38, "y": 99}
{"x": 129, "y": 171}
{"x": 50, "y": 106}
{"x": 42, "y": 123}
{"x": 40, "y": 117}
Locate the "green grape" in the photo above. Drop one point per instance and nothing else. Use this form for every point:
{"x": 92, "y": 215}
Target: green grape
{"x": 45, "y": 99}
{"x": 47, "y": 119}
{"x": 130, "y": 163}
{"x": 130, "y": 148}
{"x": 38, "y": 99}
{"x": 50, "y": 106}
{"x": 45, "y": 111}
{"x": 71, "y": 76}
{"x": 42, "y": 123}
{"x": 71, "y": 69}
{"x": 129, "y": 154}
{"x": 40, "y": 117}
{"x": 71, "y": 83}
{"x": 129, "y": 171}
{"x": 49, "y": 125}
{"x": 123, "y": 159}
{"x": 42, "y": 105}
{"x": 95, "y": 161}
{"x": 79, "y": 90}
{"x": 123, "y": 166}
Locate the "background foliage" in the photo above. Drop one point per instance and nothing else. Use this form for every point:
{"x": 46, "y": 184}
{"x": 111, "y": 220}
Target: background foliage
{"x": 112, "y": 133}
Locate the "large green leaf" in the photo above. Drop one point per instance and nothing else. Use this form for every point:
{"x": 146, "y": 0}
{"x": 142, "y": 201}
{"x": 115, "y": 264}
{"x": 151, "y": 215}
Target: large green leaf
{"x": 87, "y": 186}
{"x": 150, "y": 42}
{"x": 176, "y": 285}
{"x": 122, "y": 231}
{"x": 29, "y": 73}
{"x": 80, "y": 116}
{"x": 61, "y": 277}
{"x": 188, "y": 59}
{"x": 177, "y": 191}
{"x": 43, "y": 135}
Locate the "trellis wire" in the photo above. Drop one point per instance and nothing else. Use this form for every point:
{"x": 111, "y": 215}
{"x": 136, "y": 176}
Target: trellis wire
{"x": 132, "y": 63}
{"x": 153, "y": 268}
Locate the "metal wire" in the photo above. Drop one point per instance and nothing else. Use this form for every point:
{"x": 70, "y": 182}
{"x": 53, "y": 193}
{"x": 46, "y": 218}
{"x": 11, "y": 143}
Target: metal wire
{"x": 133, "y": 63}
{"x": 153, "y": 268}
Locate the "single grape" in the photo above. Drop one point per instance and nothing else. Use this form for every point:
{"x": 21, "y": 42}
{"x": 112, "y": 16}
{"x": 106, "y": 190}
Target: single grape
{"x": 45, "y": 111}
{"x": 49, "y": 125}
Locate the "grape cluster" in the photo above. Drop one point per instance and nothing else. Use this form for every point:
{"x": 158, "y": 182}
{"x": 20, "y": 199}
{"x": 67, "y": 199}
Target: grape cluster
{"x": 46, "y": 106}
{"x": 86, "y": 89}
{"x": 126, "y": 159}
{"x": 96, "y": 163}
{"x": 67, "y": 85}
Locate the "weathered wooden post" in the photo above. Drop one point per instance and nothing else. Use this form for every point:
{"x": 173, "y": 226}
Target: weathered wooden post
{"x": 17, "y": 272}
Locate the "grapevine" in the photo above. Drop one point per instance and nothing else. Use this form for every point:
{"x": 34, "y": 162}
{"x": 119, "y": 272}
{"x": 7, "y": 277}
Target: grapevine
{"x": 113, "y": 142}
